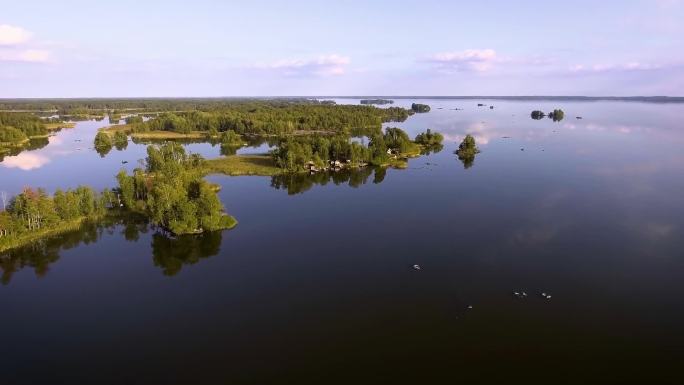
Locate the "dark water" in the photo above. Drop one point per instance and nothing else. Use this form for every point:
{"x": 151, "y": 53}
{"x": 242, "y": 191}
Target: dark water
{"x": 316, "y": 283}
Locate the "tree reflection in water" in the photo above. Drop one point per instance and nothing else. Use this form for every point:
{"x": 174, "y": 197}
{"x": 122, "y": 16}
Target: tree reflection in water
{"x": 299, "y": 182}
{"x": 170, "y": 254}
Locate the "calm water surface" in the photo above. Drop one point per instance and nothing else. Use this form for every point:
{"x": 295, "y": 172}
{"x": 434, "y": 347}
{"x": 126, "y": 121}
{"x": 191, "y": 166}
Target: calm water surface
{"x": 316, "y": 283}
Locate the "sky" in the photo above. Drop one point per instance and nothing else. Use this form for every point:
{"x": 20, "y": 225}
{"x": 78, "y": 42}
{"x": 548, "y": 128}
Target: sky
{"x": 312, "y": 48}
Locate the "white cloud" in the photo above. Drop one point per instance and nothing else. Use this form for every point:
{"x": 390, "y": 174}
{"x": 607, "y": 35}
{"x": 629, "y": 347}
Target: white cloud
{"x": 26, "y": 55}
{"x": 15, "y": 46}
{"x": 25, "y": 161}
{"x": 478, "y": 60}
{"x": 10, "y": 35}
{"x": 324, "y": 65}
{"x": 598, "y": 68}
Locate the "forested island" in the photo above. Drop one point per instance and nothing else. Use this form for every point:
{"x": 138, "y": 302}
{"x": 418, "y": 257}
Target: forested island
{"x": 170, "y": 191}
{"x": 467, "y": 150}
{"x": 420, "y": 108}
{"x": 376, "y": 101}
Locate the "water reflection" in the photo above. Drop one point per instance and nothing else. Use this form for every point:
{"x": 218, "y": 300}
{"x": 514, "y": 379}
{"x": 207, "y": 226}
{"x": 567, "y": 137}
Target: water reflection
{"x": 40, "y": 254}
{"x": 11, "y": 158}
{"x": 169, "y": 254}
{"x": 467, "y": 159}
{"x": 299, "y": 183}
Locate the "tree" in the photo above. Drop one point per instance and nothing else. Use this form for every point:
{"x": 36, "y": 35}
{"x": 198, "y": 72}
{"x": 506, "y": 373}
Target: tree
{"x": 467, "y": 150}
{"x": 396, "y": 139}
{"x": 428, "y": 138}
{"x": 420, "y": 108}
{"x": 102, "y": 143}
{"x": 120, "y": 140}
{"x": 557, "y": 115}
{"x": 536, "y": 114}
{"x": 12, "y": 135}
{"x": 126, "y": 189}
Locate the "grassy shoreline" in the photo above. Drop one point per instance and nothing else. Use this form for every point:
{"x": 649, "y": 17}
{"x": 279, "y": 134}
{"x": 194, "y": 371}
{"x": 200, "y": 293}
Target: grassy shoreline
{"x": 27, "y": 238}
{"x": 264, "y": 165}
{"x": 7, "y": 244}
{"x": 239, "y": 165}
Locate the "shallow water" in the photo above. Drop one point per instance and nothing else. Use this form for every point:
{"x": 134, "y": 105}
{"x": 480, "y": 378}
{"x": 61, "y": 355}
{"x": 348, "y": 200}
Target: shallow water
{"x": 316, "y": 284}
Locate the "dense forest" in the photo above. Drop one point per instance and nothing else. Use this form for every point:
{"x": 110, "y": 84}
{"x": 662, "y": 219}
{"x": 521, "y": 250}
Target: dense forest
{"x": 273, "y": 118}
{"x": 16, "y": 127}
{"x": 376, "y": 101}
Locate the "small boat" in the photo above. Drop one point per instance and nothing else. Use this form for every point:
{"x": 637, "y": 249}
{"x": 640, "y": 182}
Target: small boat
{"x": 416, "y": 267}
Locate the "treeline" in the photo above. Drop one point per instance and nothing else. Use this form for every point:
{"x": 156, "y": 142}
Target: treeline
{"x": 85, "y": 106}
{"x": 420, "y": 108}
{"x": 16, "y": 127}
{"x": 376, "y": 101}
{"x": 34, "y": 213}
{"x": 270, "y": 118}
{"x": 301, "y": 153}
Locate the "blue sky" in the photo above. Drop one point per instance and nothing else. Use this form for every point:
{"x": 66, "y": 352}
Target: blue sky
{"x": 272, "y": 48}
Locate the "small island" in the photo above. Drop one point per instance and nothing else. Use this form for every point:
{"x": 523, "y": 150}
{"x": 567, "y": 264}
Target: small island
{"x": 420, "y": 108}
{"x": 376, "y": 101}
{"x": 556, "y": 115}
{"x": 467, "y": 150}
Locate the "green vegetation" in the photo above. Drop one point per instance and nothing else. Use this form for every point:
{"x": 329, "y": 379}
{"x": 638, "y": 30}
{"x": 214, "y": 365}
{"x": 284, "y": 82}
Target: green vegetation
{"x": 29, "y": 124}
{"x": 236, "y": 165}
{"x": 102, "y": 143}
{"x": 120, "y": 140}
{"x": 172, "y": 193}
{"x": 34, "y": 214}
{"x": 259, "y": 117}
{"x": 467, "y": 150}
{"x": 557, "y": 115}
{"x": 417, "y": 107}
{"x": 17, "y": 128}
{"x": 429, "y": 138}
{"x": 58, "y": 125}
{"x": 536, "y": 115}
{"x": 296, "y": 154}
{"x": 11, "y": 136}
{"x": 376, "y": 101}
{"x": 134, "y": 119}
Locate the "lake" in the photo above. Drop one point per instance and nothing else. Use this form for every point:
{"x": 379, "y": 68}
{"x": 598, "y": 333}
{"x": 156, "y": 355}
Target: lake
{"x": 316, "y": 284}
